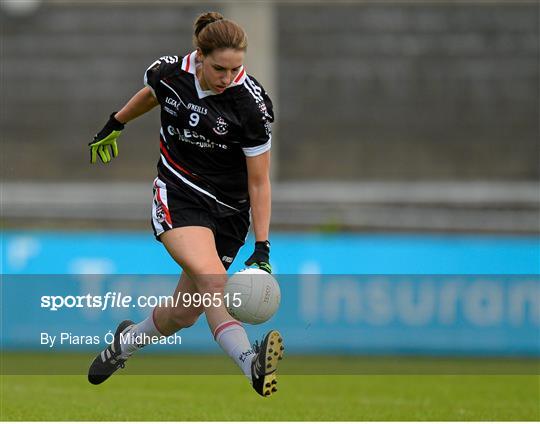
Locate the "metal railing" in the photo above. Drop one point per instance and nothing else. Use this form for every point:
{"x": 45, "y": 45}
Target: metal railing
{"x": 421, "y": 206}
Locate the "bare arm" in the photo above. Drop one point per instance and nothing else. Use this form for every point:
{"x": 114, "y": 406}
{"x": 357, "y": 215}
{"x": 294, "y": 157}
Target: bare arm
{"x": 138, "y": 105}
{"x": 259, "y": 188}
{"x": 105, "y": 141}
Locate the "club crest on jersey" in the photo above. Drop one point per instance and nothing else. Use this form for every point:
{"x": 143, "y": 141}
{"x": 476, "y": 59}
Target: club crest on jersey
{"x": 221, "y": 127}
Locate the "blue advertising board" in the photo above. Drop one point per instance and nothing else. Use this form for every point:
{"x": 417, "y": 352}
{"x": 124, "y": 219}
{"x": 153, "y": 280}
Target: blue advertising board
{"x": 340, "y": 293}
{"x": 118, "y": 252}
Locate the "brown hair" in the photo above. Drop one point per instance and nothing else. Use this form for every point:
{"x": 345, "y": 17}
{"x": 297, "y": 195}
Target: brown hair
{"x": 213, "y": 31}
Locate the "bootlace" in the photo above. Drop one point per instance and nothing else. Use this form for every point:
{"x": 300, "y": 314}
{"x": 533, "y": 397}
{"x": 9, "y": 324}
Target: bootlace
{"x": 256, "y": 346}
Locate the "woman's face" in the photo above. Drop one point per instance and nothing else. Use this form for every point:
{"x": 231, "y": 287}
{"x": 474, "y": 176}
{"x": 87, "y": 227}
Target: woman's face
{"x": 219, "y": 68}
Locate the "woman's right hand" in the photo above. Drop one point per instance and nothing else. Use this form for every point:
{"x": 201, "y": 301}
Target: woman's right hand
{"x": 104, "y": 142}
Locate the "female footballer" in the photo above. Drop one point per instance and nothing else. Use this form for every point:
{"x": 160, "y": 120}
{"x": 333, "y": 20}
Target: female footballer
{"x": 213, "y": 172}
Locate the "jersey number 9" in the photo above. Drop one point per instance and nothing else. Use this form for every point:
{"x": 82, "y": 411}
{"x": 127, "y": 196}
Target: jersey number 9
{"x": 194, "y": 119}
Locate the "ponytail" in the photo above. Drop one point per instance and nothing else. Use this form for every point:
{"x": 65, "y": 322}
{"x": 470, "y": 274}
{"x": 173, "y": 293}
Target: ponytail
{"x": 212, "y": 31}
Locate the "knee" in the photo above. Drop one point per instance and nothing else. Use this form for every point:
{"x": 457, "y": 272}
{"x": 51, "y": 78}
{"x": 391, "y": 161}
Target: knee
{"x": 211, "y": 283}
{"x": 209, "y": 278}
{"x": 182, "y": 318}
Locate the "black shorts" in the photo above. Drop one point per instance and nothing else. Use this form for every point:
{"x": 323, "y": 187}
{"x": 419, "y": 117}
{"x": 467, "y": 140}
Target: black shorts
{"x": 173, "y": 208}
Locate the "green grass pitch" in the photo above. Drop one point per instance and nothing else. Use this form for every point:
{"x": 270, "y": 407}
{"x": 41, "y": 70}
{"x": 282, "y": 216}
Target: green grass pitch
{"x": 224, "y": 397}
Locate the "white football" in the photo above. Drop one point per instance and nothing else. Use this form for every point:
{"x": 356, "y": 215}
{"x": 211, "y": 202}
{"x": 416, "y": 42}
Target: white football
{"x": 252, "y": 296}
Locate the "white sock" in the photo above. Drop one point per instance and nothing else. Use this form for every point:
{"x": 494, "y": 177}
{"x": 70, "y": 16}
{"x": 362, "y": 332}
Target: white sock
{"x": 138, "y": 336}
{"x": 232, "y": 338}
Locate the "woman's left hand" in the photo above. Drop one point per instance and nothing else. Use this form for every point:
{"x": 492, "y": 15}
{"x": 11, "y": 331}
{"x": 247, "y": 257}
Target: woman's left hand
{"x": 261, "y": 256}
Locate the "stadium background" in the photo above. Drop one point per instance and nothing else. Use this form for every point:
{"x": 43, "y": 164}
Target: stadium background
{"x": 406, "y": 147}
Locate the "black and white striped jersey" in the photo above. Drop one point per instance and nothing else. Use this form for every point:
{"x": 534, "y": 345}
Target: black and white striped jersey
{"x": 205, "y": 137}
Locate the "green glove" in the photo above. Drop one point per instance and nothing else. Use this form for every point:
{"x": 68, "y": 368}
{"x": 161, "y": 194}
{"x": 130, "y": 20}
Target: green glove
{"x": 105, "y": 141}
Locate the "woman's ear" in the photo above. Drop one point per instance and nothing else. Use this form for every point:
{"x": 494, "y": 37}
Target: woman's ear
{"x": 199, "y": 56}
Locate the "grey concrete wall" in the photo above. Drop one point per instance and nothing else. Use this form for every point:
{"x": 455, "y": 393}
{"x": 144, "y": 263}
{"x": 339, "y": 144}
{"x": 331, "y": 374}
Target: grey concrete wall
{"x": 409, "y": 91}
{"x": 66, "y": 68}
{"x": 405, "y": 91}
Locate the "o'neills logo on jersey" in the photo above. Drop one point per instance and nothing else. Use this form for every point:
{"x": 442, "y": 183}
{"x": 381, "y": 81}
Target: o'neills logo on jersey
{"x": 198, "y": 109}
{"x": 221, "y": 127}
